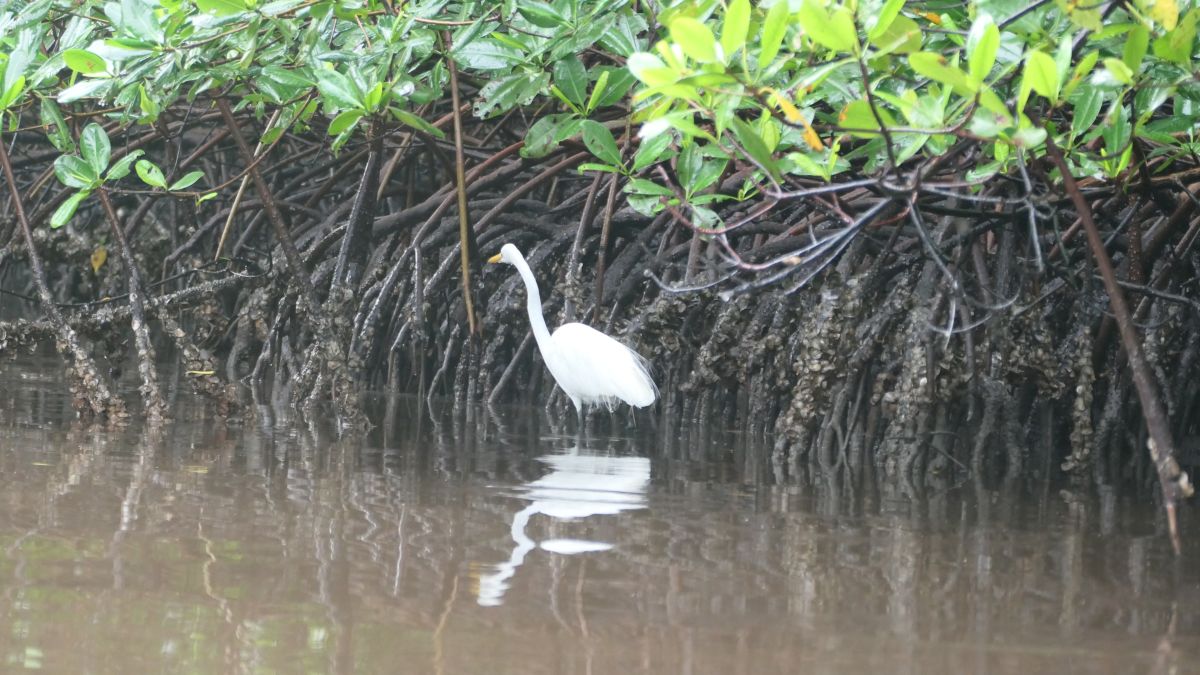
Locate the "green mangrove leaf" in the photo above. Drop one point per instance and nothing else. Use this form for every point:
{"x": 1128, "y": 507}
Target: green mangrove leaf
{"x": 694, "y": 38}
{"x": 982, "y": 43}
{"x": 62, "y": 215}
{"x": 121, "y": 167}
{"x": 187, "y": 181}
{"x": 150, "y": 174}
{"x": 774, "y": 28}
{"x": 735, "y": 27}
{"x": 221, "y": 7}
{"x": 599, "y": 141}
{"x": 1136, "y": 44}
{"x": 937, "y": 68}
{"x": 345, "y": 120}
{"x": 95, "y": 147}
{"x": 1042, "y": 74}
{"x": 416, "y": 122}
{"x": 1118, "y": 70}
{"x": 83, "y": 61}
{"x": 831, "y": 29}
{"x": 72, "y": 171}
{"x": 1178, "y": 43}
{"x": 337, "y": 91}
{"x": 571, "y": 79}
{"x": 887, "y": 14}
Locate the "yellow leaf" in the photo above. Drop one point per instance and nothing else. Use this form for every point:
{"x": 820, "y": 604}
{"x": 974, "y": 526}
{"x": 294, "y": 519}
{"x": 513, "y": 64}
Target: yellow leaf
{"x": 98, "y": 258}
{"x": 790, "y": 113}
{"x": 811, "y": 137}
{"x": 793, "y": 116}
{"x": 201, "y": 373}
{"x": 1165, "y": 13}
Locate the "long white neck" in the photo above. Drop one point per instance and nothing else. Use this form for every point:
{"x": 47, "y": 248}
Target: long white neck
{"x": 534, "y": 303}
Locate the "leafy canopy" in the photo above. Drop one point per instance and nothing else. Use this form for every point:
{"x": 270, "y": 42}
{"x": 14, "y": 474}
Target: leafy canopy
{"x": 790, "y": 88}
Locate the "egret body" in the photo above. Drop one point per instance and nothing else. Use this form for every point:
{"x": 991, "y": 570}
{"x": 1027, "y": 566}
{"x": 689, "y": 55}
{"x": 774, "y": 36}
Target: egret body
{"x": 590, "y": 366}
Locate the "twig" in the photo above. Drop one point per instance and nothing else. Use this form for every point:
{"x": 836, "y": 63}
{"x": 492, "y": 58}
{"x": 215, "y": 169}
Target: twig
{"x": 460, "y": 181}
{"x": 605, "y": 229}
{"x": 1174, "y": 481}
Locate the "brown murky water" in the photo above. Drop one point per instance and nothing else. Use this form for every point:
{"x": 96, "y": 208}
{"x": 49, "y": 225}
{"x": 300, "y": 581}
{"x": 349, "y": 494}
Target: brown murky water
{"x": 496, "y": 545}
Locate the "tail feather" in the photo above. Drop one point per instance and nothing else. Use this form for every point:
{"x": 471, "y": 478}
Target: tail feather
{"x": 642, "y": 390}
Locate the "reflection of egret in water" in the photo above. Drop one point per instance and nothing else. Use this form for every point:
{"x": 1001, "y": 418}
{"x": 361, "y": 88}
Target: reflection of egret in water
{"x": 577, "y": 486}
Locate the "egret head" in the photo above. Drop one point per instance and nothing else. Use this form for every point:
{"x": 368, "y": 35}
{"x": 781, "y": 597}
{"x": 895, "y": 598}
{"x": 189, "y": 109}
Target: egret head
{"x": 508, "y": 254}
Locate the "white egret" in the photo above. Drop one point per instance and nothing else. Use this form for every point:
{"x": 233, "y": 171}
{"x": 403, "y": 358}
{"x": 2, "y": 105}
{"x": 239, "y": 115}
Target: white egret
{"x": 590, "y": 366}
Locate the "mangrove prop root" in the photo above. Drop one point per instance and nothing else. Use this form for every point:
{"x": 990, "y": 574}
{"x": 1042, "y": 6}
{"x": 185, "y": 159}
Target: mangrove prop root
{"x": 344, "y": 392}
{"x": 88, "y": 384}
{"x": 893, "y": 325}
{"x": 153, "y": 404}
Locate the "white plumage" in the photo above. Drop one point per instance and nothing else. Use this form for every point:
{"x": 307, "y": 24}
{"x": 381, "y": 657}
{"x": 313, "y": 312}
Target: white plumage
{"x": 590, "y": 366}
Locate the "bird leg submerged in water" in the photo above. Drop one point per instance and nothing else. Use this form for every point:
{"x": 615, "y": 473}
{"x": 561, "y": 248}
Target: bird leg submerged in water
{"x": 588, "y": 365}
{"x": 617, "y": 419}
{"x": 580, "y": 427}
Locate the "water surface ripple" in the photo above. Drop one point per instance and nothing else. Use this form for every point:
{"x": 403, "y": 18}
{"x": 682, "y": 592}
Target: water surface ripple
{"x": 496, "y": 543}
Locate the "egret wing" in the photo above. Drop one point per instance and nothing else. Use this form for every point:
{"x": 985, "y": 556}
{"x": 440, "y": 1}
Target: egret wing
{"x": 599, "y": 369}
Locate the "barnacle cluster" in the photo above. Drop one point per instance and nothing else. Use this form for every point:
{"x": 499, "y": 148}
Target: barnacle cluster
{"x": 820, "y": 349}
{"x": 1082, "y": 429}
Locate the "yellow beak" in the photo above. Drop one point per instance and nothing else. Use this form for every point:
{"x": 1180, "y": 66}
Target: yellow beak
{"x": 494, "y": 259}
